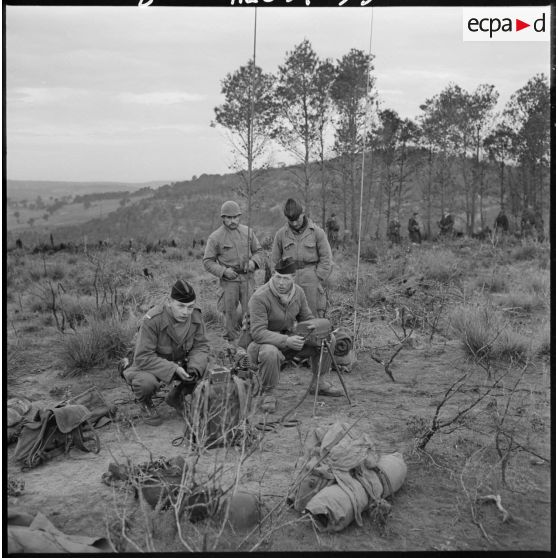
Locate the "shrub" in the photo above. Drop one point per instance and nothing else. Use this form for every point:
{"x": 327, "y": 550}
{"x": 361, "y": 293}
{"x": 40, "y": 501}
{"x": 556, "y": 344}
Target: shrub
{"x": 212, "y": 317}
{"x": 440, "y": 265}
{"x": 369, "y": 253}
{"x": 56, "y": 272}
{"x": 510, "y": 345}
{"x": 539, "y": 284}
{"x": 485, "y": 336}
{"x": 35, "y": 273}
{"x": 100, "y": 342}
{"x": 175, "y": 254}
{"x": 527, "y": 251}
{"x": 521, "y": 302}
{"x": 76, "y": 309}
{"x": 39, "y": 305}
{"x": 493, "y": 284}
{"x": 542, "y": 342}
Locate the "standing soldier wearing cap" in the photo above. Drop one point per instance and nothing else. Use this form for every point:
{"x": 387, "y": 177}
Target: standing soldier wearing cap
{"x": 332, "y": 227}
{"x": 305, "y": 242}
{"x": 230, "y": 257}
{"x": 274, "y": 309}
{"x": 414, "y": 229}
{"x": 171, "y": 348}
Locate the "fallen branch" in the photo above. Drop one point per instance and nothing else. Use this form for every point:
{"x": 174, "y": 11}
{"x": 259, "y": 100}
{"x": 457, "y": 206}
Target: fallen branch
{"x": 387, "y": 364}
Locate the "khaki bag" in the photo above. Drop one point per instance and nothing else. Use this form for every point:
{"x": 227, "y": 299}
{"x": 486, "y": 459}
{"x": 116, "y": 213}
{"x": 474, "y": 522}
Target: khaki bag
{"x": 51, "y": 432}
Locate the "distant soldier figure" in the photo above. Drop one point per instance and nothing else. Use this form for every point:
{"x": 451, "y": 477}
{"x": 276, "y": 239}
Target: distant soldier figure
{"x": 332, "y": 227}
{"x": 539, "y": 225}
{"x": 414, "y": 229}
{"x": 305, "y": 242}
{"x": 231, "y": 257}
{"x": 528, "y": 220}
{"x": 132, "y": 249}
{"x": 446, "y": 224}
{"x": 19, "y": 244}
{"x": 394, "y": 231}
{"x": 502, "y": 224}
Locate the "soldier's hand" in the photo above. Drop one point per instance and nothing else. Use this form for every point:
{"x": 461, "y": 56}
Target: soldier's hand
{"x": 251, "y": 265}
{"x": 295, "y": 342}
{"x": 183, "y": 375}
{"x": 230, "y": 273}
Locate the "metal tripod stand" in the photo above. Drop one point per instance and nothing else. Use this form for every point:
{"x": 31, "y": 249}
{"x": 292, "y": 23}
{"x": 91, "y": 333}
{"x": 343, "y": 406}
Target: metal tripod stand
{"x": 324, "y": 347}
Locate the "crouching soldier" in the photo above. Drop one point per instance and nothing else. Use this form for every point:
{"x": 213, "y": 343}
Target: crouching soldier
{"x": 274, "y": 309}
{"x": 171, "y": 348}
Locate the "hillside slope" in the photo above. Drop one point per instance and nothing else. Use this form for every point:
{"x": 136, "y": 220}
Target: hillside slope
{"x": 190, "y": 209}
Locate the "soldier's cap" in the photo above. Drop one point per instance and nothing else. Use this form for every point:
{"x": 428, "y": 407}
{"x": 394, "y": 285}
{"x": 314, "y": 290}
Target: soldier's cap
{"x": 286, "y": 266}
{"x": 183, "y": 291}
{"x": 292, "y": 209}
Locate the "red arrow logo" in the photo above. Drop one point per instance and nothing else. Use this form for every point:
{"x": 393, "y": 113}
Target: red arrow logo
{"x": 519, "y": 25}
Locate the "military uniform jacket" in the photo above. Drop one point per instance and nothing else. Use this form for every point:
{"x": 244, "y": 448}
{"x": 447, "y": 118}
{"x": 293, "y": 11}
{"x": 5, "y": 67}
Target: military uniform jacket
{"x": 271, "y": 321}
{"x": 226, "y": 248}
{"x": 309, "y": 247}
{"x": 413, "y": 225}
{"x": 158, "y": 349}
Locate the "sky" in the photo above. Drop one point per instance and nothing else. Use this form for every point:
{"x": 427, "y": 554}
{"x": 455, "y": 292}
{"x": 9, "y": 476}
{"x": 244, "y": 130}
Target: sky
{"x": 127, "y": 94}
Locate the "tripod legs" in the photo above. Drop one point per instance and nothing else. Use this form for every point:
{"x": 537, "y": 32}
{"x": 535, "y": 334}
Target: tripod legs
{"x": 316, "y": 389}
{"x": 338, "y": 372}
{"x": 324, "y": 346}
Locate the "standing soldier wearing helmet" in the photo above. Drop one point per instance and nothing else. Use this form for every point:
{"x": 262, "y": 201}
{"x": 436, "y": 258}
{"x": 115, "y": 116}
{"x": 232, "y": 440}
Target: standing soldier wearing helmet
{"x": 305, "y": 242}
{"x": 233, "y": 259}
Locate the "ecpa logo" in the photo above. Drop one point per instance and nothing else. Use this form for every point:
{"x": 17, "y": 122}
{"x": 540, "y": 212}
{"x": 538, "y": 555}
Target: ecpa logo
{"x": 507, "y": 24}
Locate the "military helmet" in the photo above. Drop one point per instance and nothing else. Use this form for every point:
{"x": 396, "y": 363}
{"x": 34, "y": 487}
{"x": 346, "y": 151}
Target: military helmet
{"x": 230, "y": 209}
{"x": 244, "y": 511}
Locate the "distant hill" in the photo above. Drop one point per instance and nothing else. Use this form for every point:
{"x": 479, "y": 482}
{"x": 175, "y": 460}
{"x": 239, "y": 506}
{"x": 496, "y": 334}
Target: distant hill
{"x": 30, "y": 189}
{"x": 190, "y": 209}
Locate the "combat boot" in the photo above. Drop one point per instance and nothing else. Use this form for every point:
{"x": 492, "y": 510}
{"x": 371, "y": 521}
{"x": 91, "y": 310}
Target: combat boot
{"x": 325, "y": 388}
{"x": 149, "y": 413}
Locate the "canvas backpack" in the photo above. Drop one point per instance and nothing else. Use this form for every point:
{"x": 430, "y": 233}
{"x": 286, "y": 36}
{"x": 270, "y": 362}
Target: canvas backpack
{"x": 51, "y": 432}
{"x": 219, "y": 408}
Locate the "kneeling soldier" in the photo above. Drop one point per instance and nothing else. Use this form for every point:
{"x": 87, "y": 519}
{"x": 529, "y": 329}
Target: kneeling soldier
{"x": 171, "y": 348}
{"x": 274, "y": 309}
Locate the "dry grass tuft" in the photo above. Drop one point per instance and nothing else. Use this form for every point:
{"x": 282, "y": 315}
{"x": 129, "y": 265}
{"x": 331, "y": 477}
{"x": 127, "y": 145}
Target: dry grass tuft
{"x": 212, "y": 317}
{"x": 100, "y": 342}
{"x": 493, "y": 284}
{"x": 440, "y": 265}
{"x": 521, "y": 302}
{"x": 527, "y": 251}
{"x": 485, "y": 336}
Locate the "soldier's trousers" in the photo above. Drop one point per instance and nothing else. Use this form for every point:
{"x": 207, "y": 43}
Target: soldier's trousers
{"x": 269, "y": 359}
{"x": 143, "y": 384}
{"x": 313, "y": 289}
{"x": 233, "y": 293}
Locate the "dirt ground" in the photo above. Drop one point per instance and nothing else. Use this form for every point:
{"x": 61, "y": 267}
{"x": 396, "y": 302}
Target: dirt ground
{"x": 436, "y": 509}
